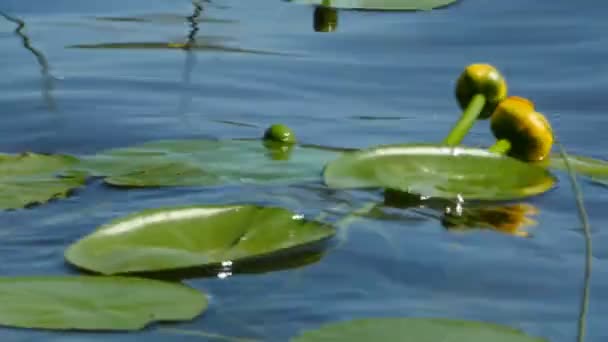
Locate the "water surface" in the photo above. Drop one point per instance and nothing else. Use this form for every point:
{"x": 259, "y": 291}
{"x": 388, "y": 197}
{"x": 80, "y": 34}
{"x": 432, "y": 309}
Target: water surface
{"x": 81, "y": 77}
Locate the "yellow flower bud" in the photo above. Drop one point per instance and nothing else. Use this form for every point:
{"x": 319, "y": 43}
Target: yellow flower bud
{"x": 528, "y": 131}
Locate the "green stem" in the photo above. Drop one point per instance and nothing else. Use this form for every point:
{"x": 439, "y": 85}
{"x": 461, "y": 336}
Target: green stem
{"x": 468, "y": 118}
{"x": 502, "y": 146}
{"x": 584, "y": 219}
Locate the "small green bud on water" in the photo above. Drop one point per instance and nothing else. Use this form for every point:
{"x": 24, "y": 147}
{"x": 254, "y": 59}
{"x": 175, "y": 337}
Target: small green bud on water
{"x": 280, "y": 133}
{"x": 481, "y": 79}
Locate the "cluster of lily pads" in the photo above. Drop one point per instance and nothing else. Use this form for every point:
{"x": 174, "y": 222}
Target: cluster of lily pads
{"x": 226, "y": 237}
{"x": 129, "y": 255}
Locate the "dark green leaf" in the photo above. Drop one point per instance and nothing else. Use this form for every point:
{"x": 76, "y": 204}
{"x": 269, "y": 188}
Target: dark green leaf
{"x": 414, "y": 330}
{"x": 383, "y": 5}
{"x": 206, "y": 162}
{"x": 95, "y": 303}
{"x": 438, "y": 171}
{"x": 174, "y": 238}
{"x": 31, "y": 178}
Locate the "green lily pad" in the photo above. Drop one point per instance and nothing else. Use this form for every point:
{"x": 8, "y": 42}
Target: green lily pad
{"x": 206, "y": 162}
{"x": 29, "y": 178}
{"x": 438, "y": 171}
{"x": 414, "y": 330}
{"x": 182, "y": 237}
{"x": 95, "y": 303}
{"x": 381, "y": 5}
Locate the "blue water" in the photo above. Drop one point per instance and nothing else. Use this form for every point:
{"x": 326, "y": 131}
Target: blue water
{"x": 380, "y": 78}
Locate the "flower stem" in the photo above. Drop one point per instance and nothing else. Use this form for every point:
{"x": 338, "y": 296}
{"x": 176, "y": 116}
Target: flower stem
{"x": 466, "y": 121}
{"x": 502, "y": 146}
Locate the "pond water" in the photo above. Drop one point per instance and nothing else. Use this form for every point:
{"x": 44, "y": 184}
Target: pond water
{"x": 379, "y": 78}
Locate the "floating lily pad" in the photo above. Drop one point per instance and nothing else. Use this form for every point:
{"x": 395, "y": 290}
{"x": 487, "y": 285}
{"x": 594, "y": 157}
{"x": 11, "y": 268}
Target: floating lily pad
{"x": 29, "y": 178}
{"x": 95, "y": 303}
{"x": 206, "y": 162}
{"x": 438, "y": 171}
{"x": 414, "y": 330}
{"x": 174, "y": 238}
{"x": 381, "y": 5}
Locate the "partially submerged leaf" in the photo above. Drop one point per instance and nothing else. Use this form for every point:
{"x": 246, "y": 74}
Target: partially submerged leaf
{"x": 174, "y": 238}
{"x": 95, "y": 303}
{"x": 207, "y": 162}
{"x": 438, "y": 171}
{"x": 163, "y": 174}
{"x": 585, "y": 166}
{"x": 199, "y": 45}
{"x": 29, "y": 178}
{"x": 414, "y": 330}
{"x": 382, "y": 5}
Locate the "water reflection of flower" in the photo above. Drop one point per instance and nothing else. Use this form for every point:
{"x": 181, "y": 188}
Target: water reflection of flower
{"x": 510, "y": 219}
{"x": 459, "y": 216}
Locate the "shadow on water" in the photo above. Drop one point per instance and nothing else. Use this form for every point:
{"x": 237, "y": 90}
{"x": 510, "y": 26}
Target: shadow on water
{"x": 47, "y": 78}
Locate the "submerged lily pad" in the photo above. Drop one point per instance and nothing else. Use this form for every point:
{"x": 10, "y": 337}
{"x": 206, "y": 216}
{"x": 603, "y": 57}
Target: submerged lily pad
{"x": 585, "y": 166}
{"x": 438, "y": 171}
{"x": 382, "y": 5}
{"x": 95, "y": 303}
{"x": 174, "y": 238}
{"x": 29, "y": 178}
{"x": 206, "y": 162}
{"x": 414, "y": 330}
{"x": 201, "y": 44}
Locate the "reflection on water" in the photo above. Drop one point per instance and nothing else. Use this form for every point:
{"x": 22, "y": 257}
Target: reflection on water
{"x": 47, "y": 78}
{"x": 193, "y": 41}
{"x": 200, "y": 45}
{"x": 325, "y": 19}
{"x": 511, "y": 219}
{"x": 165, "y": 19}
{"x": 190, "y": 60}
{"x": 278, "y": 150}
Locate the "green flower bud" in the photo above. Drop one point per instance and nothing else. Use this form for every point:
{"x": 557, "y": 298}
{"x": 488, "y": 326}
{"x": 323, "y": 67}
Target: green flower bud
{"x": 280, "y": 133}
{"x": 481, "y": 79}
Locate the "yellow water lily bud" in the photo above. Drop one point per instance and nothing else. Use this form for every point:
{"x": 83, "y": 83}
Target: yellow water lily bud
{"x": 481, "y": 79}
{"x": 528, "y": 131}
